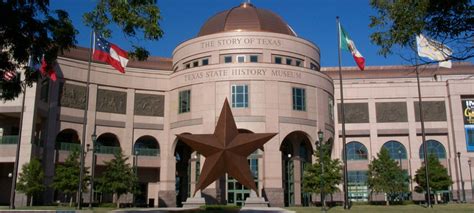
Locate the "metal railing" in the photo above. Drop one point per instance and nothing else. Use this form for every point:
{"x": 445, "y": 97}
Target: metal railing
{"x": 69, "y": 146}
{"x": 147, "y": 152}
{"x": 107, "y": 149}
{"x": 8, "y": 139}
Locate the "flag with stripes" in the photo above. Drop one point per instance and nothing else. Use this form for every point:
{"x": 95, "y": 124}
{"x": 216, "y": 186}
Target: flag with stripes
{"x": 9, "y": 75}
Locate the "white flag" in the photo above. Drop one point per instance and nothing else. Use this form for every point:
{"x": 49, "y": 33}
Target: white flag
{"x": 433, "y": 50}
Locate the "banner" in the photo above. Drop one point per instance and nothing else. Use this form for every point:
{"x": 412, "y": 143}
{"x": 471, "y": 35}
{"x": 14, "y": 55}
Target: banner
{"x": 468, "y": 117}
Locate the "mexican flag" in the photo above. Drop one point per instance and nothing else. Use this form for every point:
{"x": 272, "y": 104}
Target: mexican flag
{"x": 347, "y": 44}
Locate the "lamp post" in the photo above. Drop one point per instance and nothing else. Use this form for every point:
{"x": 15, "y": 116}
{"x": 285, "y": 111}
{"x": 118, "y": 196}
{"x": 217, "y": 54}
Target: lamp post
{"x": 321, "y": 161}
{"x": 400, "y": 158}
{"x": 135, "y": 166}
{"x": 91, "y": 192}
{"x": 470, "y": 176}
{"x": 288, "y": 179}
{"x": 462, "y": 181}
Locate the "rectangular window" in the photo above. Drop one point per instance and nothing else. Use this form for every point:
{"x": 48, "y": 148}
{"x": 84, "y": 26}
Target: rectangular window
{"x": 44, "y": 90}
{"x": 331, "y": 108}
{"x": 298, "y": 63}
{"x": 205, "y": 62}
{"x": 289, "y": 61}
{"x": 313, "y": 66}
{"x": 188, "y": 66}
{"x": 299, "y": 99}
{"x": 195, "y": 63}
{"x": 184, "y": 101}
{"x": 277, "y": 60}
{"x": 240, "y": 96}
{"x": 228, "y": 59}
{"x": 254, "y": 58}
{"x": 240, "y": 58}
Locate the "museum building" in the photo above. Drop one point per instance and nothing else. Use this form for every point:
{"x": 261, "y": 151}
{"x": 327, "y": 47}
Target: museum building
{"x": 274, "y": 83}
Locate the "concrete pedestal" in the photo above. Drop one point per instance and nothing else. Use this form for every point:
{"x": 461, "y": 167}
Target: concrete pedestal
{"x": 194, "y": 202}
{"x": 255, "y": 201}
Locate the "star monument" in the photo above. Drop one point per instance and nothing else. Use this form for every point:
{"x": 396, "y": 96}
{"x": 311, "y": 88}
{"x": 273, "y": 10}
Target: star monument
{"x": 226, "y": 151}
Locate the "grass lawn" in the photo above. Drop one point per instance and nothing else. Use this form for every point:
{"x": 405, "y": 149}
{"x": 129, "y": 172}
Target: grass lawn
{"x": 397, "y": 208}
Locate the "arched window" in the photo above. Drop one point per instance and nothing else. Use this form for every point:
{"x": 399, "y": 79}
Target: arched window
{"x": 434, "y": 147}
{"x": 68, "y": 139}
{"x": 356, "y": 151}
{"x": 396, "y": 150}
{"x": 146, "y": 145}
{"x": 108, "y": 143}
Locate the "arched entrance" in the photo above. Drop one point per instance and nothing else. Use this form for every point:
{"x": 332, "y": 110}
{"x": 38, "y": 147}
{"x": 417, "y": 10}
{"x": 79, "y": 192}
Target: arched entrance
{"x": 146, "y": 148}
{"x": 68, "y": 140}
{"x": 296, "y": 152}
{"x": 236, "y": 192}
{"x": 183, "y": 155}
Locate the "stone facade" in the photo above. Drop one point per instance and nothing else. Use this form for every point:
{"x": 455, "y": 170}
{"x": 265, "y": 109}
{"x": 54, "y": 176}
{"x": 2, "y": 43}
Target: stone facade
{"x": 273, "y": 82}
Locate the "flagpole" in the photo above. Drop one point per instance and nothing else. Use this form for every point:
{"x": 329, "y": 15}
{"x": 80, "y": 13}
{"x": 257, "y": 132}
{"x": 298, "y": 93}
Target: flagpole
{"x": 423, "y": 135}
{"x": 84, "y": 127}
{"x": 343, "y": 120}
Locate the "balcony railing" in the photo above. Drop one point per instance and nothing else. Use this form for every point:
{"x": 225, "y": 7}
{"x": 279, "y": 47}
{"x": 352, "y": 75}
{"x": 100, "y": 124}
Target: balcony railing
{"x": 147, "y": 152}
{"x": 8, "y": 139}
{"x": 70, "y": 146}
{"x": 108, "y": 149}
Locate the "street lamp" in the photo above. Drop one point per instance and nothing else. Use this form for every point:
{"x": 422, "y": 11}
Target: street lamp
{"x": 470, "y": 176}
{"x": 400, "y": 158}
{"x": 462, "y": 181}
{"x": 135, "y": 166}
{"x": 321, "y": 160}
{"x": 91, "y": 195}
{"x": 288, "y": 179}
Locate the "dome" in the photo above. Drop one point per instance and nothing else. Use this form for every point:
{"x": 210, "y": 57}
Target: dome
{"x": 246, "y": 17}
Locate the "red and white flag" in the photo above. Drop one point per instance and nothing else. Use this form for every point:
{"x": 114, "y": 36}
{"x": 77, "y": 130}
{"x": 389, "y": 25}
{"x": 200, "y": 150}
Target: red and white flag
{"x": 47, "y": 70}
{"x": 109, "y": 53}
{"x": 9, "y": 75}
{"x": 347, "y": 44}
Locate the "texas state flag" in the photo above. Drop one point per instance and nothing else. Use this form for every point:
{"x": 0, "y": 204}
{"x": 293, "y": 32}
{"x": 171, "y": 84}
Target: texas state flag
{"x": 109, "y": 53}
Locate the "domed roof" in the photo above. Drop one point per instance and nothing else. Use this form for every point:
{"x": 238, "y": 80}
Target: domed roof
{"x": 246, "y": 17}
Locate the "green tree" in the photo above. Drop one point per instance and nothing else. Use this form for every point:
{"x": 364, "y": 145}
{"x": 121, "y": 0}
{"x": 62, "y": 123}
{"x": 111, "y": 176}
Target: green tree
{"x": 132, "y": 16}
{"x": 397, "y": 22}
{"x": 66, "y": 177}
{"x": 30, "y": 180}
{"x": 386, "y": 176}
{"x": 118, "y": 178}
{"x": 33, "y": 30}
{"x": 439, "y": 178}
{"x": 314, "y": 180}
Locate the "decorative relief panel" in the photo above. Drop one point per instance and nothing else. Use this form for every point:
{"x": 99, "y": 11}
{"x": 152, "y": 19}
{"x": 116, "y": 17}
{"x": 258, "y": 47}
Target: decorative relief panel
{"x": 111, "y": 101}
{"x": 73, "y": 96}
{"x": 149, "y": 105}
{"x": 432, "y": 111}
{"x": 354, "y": 112}
{"x": 388, "y": 112}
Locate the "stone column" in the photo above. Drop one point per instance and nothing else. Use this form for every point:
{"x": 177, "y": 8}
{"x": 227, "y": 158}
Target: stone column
{"x": 167, "y": 192}
{"x": 272, "y": 162}
{"x": 27, "y": 137}
{"x": 52, "y": 129}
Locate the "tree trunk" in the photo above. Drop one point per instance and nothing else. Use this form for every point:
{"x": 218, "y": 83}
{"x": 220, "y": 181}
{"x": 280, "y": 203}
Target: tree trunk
{"x": 70, "y": 201}
{"x": 31, "y": 201}
{"x": 435, "y": 198}
{"x": 117, "y": 197}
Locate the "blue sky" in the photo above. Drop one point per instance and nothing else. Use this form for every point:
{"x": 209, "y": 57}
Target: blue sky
{"x": 314, "y": 20}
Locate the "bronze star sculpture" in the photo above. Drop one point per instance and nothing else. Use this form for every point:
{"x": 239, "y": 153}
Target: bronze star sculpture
{"x": 226, "y": 151}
